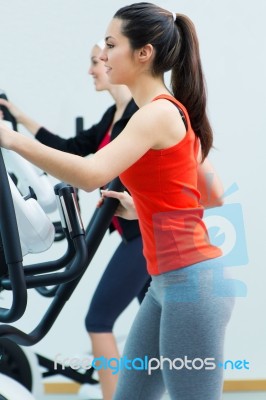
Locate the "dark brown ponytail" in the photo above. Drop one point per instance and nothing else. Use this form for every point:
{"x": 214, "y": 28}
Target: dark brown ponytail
{"x": 188, "y": 84}
{"x": 177, "y": 49}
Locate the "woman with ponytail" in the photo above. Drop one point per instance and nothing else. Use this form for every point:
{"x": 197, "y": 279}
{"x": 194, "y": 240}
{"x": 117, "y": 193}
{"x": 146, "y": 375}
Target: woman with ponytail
{"x": 177, "y": 339}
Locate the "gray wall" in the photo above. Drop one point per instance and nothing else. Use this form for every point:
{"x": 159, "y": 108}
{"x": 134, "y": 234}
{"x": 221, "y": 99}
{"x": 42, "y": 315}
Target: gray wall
{"x": 45, "y": 48}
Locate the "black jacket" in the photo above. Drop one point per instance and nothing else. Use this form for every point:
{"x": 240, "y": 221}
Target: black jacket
{"x": 87, "y": 142}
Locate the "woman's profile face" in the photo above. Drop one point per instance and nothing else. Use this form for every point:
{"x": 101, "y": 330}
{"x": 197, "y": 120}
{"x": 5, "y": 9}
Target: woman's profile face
{"x": 98, "y": 70}
{"x": 118, "y": 56}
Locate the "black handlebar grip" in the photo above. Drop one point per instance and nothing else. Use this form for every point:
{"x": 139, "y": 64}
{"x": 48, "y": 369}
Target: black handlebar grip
{"x": 7, "y": 114}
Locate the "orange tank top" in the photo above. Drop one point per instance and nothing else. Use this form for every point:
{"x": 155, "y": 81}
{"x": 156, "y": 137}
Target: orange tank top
{"x": 163, "y": 184}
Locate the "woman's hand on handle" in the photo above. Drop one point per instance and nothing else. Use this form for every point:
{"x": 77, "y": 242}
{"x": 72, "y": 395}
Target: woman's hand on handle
{"x": 21, "y": 118}
{"x": 126, "y": 208}
{"x": 15, "y": 111}
{"x": 7, "y": 135}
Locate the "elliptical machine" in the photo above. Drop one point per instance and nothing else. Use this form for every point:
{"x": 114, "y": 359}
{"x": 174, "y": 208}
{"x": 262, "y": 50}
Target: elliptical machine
{"x": 82, "y": 246}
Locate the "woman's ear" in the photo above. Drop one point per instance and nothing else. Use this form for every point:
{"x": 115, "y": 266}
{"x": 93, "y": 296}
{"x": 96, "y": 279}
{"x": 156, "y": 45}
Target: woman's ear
{"x": 146, "y": 53}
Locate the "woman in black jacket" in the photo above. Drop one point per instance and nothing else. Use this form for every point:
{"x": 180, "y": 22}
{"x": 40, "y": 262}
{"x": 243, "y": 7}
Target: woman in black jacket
{"x": 125, "y": 276}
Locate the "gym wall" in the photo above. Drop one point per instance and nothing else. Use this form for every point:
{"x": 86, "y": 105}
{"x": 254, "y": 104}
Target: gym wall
{"x": 45, "y": 52}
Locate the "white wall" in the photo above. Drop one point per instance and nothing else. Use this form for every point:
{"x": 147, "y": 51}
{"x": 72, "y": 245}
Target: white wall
{"x": 44, "y": 57}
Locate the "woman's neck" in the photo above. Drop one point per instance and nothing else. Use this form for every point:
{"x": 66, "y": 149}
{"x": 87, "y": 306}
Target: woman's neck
{"x": 122, "y": 97}
{"x": 146, "y": 88}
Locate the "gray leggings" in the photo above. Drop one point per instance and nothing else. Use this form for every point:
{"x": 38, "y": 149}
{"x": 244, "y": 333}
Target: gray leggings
{"x": 183, "y": 319}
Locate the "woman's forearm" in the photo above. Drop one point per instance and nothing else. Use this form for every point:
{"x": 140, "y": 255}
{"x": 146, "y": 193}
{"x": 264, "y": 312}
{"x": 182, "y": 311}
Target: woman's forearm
{"x": 68, "y": 168}
{"x": 21, "y": 118}
{"x": 31, "y": 125}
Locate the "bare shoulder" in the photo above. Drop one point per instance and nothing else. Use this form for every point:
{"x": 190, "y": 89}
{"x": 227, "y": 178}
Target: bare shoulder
{"x": 157, "y": 114}
{"x": 159, "y": 110}
{"x": 162, "y": 120}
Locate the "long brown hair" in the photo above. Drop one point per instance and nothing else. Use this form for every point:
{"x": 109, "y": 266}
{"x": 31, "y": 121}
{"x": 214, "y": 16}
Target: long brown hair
{"x": 174, "y": 39}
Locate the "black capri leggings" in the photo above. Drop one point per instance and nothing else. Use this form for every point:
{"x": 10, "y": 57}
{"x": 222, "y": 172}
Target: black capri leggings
{"x": 124, "y": 279}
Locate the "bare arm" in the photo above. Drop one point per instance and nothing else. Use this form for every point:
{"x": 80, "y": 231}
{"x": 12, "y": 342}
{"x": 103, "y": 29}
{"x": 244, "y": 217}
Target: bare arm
{"x": 143, "y": 131}
{"x": 31, "y": 125}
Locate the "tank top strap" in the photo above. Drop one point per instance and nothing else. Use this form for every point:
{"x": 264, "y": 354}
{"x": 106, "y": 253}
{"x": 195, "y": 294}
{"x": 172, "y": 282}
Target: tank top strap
{"x": 186, "y": 118}
{"x": 179, "y": 105}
